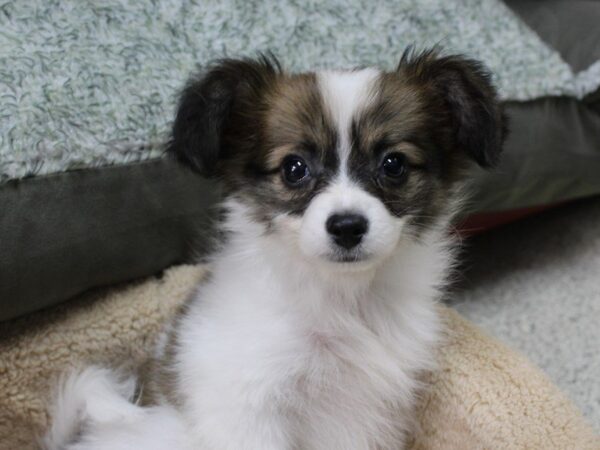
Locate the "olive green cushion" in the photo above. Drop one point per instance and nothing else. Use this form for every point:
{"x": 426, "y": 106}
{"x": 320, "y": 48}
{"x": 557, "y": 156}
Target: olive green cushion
{"x": 63, "y": 234}
{"x": 552, "y": 155}
{"x": 569, "y": 26}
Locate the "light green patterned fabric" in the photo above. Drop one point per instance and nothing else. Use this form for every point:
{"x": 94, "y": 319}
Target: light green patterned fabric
{"x": 93, "y": 83}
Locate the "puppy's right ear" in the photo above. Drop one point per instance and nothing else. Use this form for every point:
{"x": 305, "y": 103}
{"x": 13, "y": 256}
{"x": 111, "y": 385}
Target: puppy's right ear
{"x": 208, "y": 106}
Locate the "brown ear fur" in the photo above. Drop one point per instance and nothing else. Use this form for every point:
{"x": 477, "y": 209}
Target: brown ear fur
{"x": 207, "y": 106}
{"x": 467, "y": 89}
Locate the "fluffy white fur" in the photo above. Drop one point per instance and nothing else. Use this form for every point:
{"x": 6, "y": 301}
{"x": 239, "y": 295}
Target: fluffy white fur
{"x": 94, "y": 410}
{"x": 345, "y": 93}
{"x": 282, "y": 348}
{"x": 282, "y": 352}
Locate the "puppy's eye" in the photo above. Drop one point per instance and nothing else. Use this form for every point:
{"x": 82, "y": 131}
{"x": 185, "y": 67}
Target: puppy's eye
{"x": 294, "y": 170}
{"x": 394, "y": 166}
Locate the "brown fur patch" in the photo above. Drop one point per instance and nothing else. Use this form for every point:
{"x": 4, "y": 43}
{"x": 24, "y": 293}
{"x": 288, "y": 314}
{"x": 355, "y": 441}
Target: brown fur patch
{"x": 297, "y": 118}
{"x": 158, "y": 376}
{"x": 291, "y": 120}
{"x": 394, "y": 116}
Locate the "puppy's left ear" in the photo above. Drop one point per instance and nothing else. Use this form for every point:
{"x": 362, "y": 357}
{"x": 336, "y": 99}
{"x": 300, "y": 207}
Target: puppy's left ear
{"x": 466, "y": 87}
{"x": 212, "y": 116}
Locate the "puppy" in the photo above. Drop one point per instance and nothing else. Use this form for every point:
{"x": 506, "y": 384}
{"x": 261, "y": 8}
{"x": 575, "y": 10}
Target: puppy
{"x": 319, "y": 316}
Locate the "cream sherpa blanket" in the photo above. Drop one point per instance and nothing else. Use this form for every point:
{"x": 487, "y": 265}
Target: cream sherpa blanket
{"x": 483, "y": 397}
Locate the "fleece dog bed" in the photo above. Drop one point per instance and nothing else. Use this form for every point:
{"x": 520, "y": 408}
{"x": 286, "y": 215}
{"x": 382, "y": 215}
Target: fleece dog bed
{"x": 88, "y": 92}
{"x": 484, "y": 396}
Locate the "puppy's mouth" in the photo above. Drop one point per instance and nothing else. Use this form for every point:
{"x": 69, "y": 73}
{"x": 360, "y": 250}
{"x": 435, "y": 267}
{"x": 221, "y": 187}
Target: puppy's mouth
{"x": 349, "y": 257}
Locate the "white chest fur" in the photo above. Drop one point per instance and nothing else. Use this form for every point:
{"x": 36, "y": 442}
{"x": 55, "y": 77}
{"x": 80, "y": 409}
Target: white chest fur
{"x": 276, "y": 356}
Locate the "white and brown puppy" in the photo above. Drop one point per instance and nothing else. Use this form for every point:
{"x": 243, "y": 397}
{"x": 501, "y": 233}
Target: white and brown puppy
{"x": 319, "y": 315}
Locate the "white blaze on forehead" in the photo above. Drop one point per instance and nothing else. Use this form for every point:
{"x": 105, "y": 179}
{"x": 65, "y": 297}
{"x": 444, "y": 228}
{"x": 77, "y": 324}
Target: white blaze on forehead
{"x": 346, "y": 93}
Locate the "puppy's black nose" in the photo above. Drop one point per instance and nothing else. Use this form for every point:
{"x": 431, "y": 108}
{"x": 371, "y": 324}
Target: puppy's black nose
{"x": 347, "y": 230}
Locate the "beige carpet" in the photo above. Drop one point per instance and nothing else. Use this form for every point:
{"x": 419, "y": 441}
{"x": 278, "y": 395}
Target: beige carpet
{"x": 483, "y": 397}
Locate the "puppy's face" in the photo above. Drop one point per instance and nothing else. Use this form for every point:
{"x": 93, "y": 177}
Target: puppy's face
{"x": 341, "y": 165}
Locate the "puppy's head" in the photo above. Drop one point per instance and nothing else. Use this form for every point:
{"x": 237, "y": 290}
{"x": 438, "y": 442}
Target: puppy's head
{"x": 340, "y": 164}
